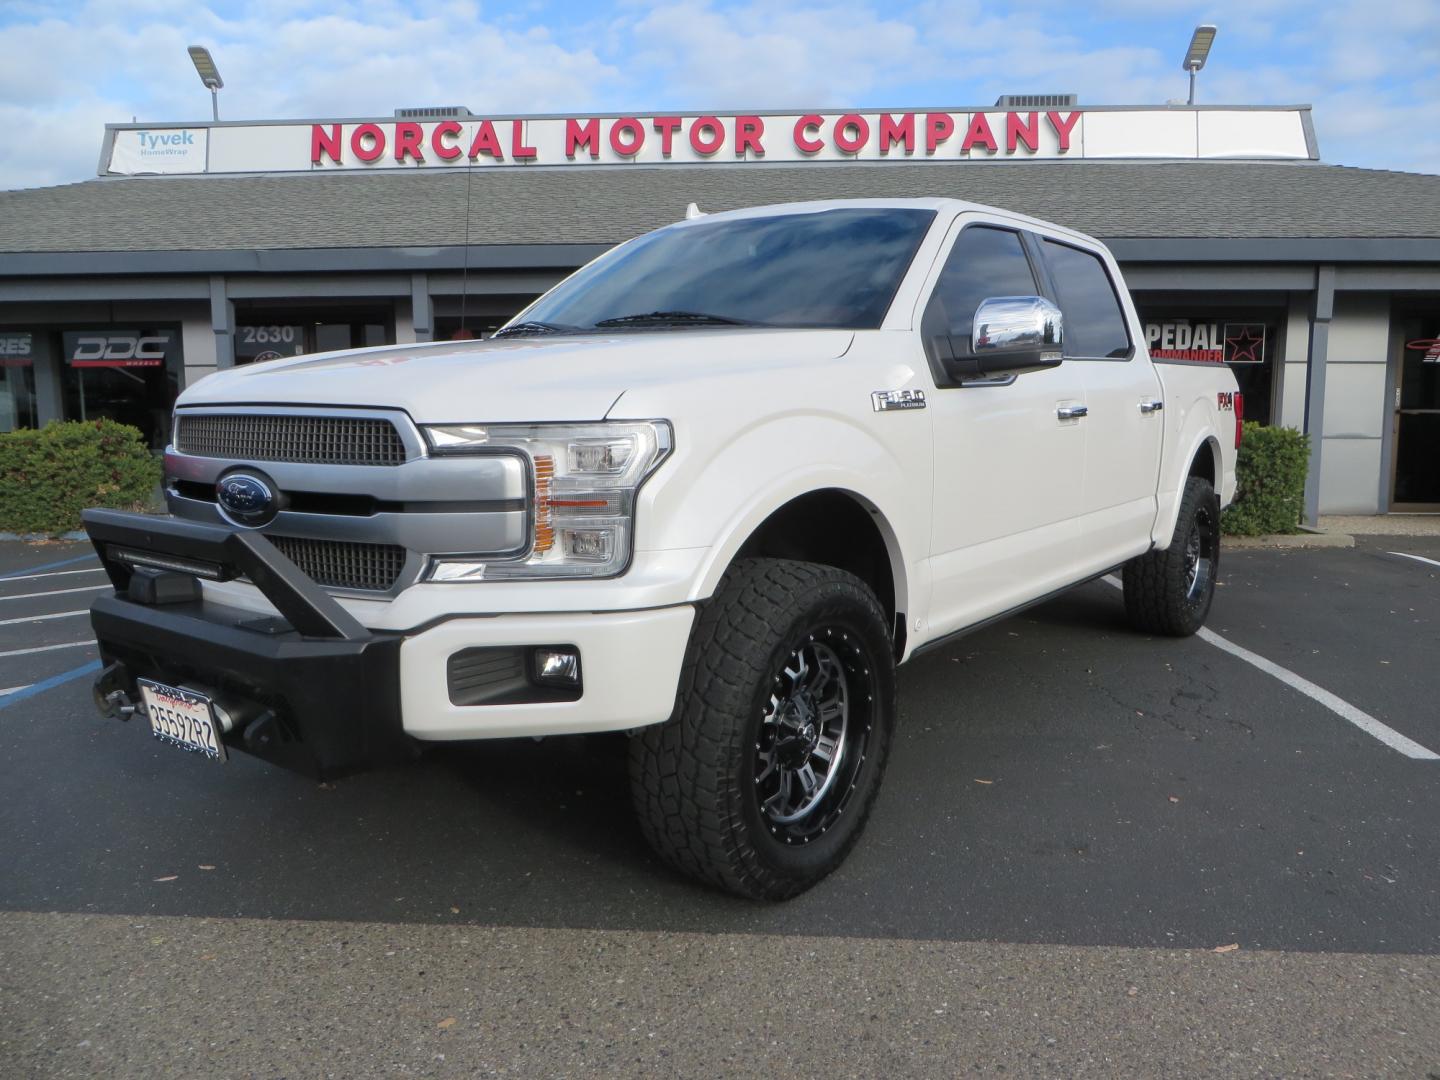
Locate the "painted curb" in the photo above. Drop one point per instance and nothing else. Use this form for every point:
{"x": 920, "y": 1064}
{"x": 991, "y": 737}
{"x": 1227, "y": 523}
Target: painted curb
{"x": 1297, "y": 540}
{"x": 37, "y": 538}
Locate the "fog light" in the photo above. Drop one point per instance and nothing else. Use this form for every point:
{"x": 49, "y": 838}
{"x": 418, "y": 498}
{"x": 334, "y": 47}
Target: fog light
{"x": 557, "y": 667}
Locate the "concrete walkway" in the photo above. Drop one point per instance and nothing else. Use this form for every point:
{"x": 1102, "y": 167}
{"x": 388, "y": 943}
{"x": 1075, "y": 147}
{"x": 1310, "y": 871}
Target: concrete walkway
{"x": 1382, "y": 524}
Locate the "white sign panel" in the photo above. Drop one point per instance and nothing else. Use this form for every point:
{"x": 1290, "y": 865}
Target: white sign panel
{"x": 158, "y": 150}
{"x": 491, "y": 142}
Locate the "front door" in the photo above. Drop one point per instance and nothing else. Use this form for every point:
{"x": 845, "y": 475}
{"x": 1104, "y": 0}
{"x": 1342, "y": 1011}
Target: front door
{"x": 1417, "y": 419}
{"x": 1008, "y": 468}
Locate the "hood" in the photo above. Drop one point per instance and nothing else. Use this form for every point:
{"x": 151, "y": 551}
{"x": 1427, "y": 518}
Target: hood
{"x": 528, "y": 379}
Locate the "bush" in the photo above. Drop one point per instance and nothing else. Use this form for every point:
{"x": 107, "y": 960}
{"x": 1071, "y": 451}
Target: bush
{"x": 48, "y": 476}
{"x": 1270, "y": 494}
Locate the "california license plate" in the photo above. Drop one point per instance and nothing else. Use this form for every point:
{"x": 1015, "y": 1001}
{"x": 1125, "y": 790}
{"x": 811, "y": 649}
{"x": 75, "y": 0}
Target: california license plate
{"x": 182, "y": 718}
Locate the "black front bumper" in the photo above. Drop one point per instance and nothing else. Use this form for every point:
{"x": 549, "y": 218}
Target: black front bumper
{"x": 317, "y": 692}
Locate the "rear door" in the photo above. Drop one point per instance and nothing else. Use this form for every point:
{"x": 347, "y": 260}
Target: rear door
{"x": 1007, "y": 467}
{"x": 1124, "y": 423}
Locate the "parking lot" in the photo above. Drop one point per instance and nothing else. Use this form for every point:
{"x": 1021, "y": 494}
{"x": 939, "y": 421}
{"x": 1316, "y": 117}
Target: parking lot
{"x": 1075, "y": 818}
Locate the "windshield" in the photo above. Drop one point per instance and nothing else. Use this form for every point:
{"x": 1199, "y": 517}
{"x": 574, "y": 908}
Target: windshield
{"x": 831, "y": 268}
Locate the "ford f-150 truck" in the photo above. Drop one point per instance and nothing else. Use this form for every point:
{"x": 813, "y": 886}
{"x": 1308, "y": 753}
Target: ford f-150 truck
{"x": 708, "y": 491}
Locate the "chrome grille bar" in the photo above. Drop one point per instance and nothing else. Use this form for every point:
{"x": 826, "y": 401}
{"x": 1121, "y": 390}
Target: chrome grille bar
{"x": 310, "y": 440}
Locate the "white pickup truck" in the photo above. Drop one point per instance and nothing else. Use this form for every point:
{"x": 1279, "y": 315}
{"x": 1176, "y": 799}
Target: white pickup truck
{"x": 708, "y": 491}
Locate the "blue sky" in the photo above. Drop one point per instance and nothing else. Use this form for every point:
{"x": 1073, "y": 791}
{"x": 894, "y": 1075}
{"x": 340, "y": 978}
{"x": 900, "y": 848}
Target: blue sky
{"x": 1372, "y": 70}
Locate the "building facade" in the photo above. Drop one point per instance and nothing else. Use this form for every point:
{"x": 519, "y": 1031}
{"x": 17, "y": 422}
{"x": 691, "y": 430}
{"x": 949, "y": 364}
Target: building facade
{"x": 203, "y": 246}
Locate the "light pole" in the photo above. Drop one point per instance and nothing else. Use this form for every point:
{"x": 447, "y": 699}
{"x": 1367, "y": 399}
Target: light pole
{"x": 209, "y": 75}
{"x": 1195, "y": 56}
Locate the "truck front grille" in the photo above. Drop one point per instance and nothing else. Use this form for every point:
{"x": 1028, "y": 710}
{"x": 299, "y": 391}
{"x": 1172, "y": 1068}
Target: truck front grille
{"x": 309, "y": 440}
{"x": 342, "y": 564}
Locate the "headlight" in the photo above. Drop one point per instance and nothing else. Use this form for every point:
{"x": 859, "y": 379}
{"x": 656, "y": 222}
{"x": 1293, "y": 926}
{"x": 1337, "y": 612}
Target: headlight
{"x": 584, "y": 478}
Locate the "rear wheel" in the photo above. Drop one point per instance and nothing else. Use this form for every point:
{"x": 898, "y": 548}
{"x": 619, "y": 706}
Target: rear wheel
{"x": 1170, "y": 591}
{"x": 762, "y": 780}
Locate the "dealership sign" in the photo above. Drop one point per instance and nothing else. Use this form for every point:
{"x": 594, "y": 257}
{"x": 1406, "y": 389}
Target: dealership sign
{"x": 696, "y": 139}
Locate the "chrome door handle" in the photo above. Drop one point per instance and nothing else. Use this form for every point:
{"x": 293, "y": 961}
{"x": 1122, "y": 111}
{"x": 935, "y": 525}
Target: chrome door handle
{"x": 1148, "y": 407}
{"x": 1071, "y": 412}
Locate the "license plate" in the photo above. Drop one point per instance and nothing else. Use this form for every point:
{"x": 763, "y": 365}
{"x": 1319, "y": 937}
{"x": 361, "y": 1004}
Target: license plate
{"x": 182, "y": 718}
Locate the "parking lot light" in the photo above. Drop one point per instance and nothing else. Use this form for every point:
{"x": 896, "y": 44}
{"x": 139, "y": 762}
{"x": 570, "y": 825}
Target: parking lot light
{"x": 1198, "y": 53}
{"x": 209, "y": 75}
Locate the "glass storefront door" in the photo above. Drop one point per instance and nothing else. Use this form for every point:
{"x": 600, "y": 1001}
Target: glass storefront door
{"x": 128, "y": 374}
{"x": 1417, "y": 419}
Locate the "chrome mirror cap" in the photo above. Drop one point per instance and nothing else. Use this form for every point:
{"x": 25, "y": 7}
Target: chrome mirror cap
{"x": 1017, "y": 323}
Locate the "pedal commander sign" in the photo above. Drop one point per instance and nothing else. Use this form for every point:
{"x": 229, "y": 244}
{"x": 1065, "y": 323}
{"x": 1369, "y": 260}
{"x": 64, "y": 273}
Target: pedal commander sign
{"x": 697, "y": 139}
{"x": 1207, "y": 342}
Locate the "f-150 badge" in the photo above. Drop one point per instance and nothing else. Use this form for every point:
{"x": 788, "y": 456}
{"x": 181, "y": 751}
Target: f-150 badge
{"x": 885, "y": 400}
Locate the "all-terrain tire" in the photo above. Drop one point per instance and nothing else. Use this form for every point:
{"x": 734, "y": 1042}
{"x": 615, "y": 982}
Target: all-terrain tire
{"x": 699, "y": 781}
{"x": 1169, "y": 591}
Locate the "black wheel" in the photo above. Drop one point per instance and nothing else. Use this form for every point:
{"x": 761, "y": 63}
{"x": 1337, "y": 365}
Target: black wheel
{"x": 1169, "y": 591}
{"x": 761, "y": 781}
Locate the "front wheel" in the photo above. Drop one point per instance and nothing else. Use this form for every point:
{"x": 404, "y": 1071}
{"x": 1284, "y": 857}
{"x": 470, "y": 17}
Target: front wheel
{"x": 761, "y": 781}
{"x": 1170, "y": 591}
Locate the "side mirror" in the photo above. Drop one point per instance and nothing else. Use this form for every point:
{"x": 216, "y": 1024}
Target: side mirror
{"x": 1012, "y": 334}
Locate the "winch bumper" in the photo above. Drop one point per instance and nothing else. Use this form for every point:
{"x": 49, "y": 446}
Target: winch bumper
{"x": 311, "y": 690}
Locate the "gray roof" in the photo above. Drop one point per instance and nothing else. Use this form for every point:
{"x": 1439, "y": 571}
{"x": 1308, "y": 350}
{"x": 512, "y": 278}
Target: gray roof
{"x": 418, "y": 208}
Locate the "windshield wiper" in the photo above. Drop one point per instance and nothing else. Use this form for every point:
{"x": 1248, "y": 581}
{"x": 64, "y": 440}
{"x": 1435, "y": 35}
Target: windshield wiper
{"x": 522, "y": 328}
{"x": 674, "y": 318}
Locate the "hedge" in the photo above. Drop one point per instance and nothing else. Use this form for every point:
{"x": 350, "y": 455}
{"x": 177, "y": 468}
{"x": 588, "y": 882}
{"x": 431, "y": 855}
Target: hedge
{"x": 47, "y": 476}
{"x": 1270, "y": 470}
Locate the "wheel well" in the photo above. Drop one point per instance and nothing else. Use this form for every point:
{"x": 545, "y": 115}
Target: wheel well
{"x": 832, "y": 528}
{"x": 1203, "y": 464}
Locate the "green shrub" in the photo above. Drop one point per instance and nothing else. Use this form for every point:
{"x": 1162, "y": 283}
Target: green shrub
{"x": 1270, "y": 494}
{"x": 48, "y": 476}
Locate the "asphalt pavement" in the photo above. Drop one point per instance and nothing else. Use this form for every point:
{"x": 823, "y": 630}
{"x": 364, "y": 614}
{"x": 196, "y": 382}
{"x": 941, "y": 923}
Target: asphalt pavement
{"x": 1075, "y": 818}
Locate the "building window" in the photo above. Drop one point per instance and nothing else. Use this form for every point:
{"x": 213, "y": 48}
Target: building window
{"x": 1243, "y": 341}
{"x": 17, "y": 379}
{"x": 129, "y": 374}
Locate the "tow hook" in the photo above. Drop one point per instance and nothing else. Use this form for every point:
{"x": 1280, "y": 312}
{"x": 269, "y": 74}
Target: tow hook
{"x": 111, "y": 697}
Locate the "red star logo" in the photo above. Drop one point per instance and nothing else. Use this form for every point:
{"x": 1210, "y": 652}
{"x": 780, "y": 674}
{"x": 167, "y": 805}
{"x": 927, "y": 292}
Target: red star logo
{"x": 1244, "y": 347}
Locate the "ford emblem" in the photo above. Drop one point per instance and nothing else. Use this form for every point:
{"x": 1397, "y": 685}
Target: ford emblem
{"x": 246, "y": 499}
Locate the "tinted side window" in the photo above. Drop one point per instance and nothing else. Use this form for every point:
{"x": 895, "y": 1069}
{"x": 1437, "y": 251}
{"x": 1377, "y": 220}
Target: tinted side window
{"x": 984, "y": 262}
{"x": 1094, "y": 323}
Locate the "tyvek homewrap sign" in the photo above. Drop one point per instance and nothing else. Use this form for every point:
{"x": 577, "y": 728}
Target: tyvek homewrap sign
{"x": 700, "y": 139}
{"x": 159, "y": 150}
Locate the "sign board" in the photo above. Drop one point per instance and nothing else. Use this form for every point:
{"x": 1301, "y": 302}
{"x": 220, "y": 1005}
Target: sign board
{"x": 1166, "y": 132}
{"x": 1205, "y": 341}
{"x": 16, "y": 350}
{"x": 136, "y": 151}
{"x": 118, "y": 348}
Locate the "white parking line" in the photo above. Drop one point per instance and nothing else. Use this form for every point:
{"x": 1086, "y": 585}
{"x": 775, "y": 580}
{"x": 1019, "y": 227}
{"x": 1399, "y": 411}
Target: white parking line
{"x": 39, "y": 618}
{"x": 54, "y": 592}
{"x": 53, "y": 573}
{"x": 11, "y": 689}
{"x": 1339, "y": 706}
{"x": 1417, "y": 558}
{"x": 46, "y": 648}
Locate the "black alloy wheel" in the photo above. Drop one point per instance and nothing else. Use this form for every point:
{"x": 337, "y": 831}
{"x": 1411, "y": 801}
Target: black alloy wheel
{"x": 761, "y": 781}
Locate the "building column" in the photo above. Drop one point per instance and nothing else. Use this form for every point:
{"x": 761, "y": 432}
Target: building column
{"x": 222, "y": 322}
{"x": 422, "y": 311}
{"x": 1322, "y": 311}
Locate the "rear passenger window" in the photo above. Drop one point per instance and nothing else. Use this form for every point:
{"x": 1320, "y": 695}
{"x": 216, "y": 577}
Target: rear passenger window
{"x": 983, "y": 263}
{"x": 1094, "y": 323}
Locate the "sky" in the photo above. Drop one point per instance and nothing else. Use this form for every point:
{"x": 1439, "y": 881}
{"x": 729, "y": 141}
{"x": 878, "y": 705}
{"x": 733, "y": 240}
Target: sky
{"x": 1370, "y": 68}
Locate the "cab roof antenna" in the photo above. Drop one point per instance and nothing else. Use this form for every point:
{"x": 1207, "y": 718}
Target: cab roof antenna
{"x": 692, "y": 212}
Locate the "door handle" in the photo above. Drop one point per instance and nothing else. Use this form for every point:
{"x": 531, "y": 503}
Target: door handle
{"x": 1148, "y": 407}
{"x": 1071, "y": 412}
